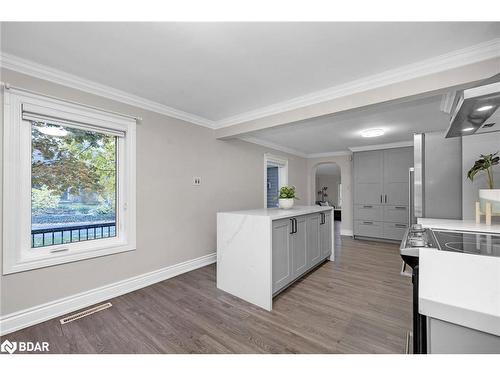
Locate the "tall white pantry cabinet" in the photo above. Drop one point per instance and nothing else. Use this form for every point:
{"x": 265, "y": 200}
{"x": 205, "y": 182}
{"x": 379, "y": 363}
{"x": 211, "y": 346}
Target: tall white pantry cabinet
{"x": 381, "y": 195}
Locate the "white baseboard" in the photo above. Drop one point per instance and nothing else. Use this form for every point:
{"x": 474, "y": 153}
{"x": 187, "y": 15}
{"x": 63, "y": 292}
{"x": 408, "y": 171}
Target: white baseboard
{"x": 37, "y": 314}
{"x": 346, "y": 232}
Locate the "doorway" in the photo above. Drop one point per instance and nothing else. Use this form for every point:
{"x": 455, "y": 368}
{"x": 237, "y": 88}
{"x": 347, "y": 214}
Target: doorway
{"x": 275, "y": 176}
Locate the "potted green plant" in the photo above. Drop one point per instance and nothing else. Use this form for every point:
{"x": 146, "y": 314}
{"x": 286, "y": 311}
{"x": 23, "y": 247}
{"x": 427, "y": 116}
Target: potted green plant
{"x": 491, "y": 195}
{"x": 287, "y": 197}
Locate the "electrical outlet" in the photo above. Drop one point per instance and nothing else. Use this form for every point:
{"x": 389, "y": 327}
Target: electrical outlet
{"x": 196, "y": 181}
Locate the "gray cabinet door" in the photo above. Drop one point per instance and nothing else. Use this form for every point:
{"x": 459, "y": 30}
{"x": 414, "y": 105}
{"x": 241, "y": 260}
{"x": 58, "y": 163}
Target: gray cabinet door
{"x": 313, "y": 242}
{"x": 325, "y": 236}
{"x": 368, "y": 177}
{"x": 394, "y": 231}
{"x": 367, "y": 228}
{"x": 397, "y": 161}
{"x": 281, "y": 254}
{"x": 298, "y": 244}
{"x": 368, "y": 212}
{"x": 396, "y": 214}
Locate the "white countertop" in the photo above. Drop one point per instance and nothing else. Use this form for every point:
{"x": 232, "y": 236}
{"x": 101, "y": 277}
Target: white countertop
{"x": 460, "y": 225}
{"x": 460, "y": 288}
{"x": 277, "y": 213}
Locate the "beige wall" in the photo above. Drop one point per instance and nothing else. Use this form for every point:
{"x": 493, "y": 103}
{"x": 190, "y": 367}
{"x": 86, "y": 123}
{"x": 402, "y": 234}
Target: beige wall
{"x": 345, "y": 164}
{"x": 175, "y": 221}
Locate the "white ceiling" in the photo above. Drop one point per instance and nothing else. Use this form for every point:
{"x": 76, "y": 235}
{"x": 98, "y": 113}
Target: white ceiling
{"x": 218, "y": 70}
{"x": 342, "y": 132}
{"x": 329, "y": 169}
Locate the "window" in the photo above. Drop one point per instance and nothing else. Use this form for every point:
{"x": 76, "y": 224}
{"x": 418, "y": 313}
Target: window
{"x": 275, "y": 176}
{"x": 69, "y": 182}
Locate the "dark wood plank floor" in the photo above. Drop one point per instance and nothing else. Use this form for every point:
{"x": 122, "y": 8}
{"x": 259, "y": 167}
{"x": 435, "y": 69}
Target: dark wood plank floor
{"x": 357, "y": 304}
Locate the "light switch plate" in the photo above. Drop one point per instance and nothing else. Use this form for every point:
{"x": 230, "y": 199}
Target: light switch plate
{"x": 196, "y": 181}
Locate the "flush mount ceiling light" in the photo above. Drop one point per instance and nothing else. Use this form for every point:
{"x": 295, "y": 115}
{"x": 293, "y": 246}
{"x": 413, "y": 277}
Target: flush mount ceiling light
{"x": 484, "y": 108}
{"x": 55, "y": 131}
{"x": 368, "y": 133}
{"x": 467, "y": 129}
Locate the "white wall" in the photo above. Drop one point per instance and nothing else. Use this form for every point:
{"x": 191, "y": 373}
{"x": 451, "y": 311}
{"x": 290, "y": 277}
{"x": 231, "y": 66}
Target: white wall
{"x": 345, "y": 164}
{"x": 472, "y": 147}
{"x": 176, "y": 222}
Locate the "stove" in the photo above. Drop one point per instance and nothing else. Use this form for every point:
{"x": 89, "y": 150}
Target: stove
{"x": 476, "y": 243}
{"x": 415, "y": 238}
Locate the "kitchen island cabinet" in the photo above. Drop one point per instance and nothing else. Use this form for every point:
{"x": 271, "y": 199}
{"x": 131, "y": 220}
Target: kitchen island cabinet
{"x": 261, "y": 252}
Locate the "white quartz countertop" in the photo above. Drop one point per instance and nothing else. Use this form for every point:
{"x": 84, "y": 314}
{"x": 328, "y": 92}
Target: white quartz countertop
{"x": 460, "y": 288}
{"x": 277, "y": 213}
{"x": 460, "y": 225}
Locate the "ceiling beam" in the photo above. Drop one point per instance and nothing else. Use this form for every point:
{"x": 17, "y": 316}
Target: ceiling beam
{"x": 400, "y": 91}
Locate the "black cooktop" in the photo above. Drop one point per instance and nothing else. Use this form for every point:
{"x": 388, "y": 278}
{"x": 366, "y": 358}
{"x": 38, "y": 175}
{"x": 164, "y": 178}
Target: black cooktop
{"x": 469, "y": 242}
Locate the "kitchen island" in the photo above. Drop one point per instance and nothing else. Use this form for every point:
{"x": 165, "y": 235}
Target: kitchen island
{"x": 261, "y": 252}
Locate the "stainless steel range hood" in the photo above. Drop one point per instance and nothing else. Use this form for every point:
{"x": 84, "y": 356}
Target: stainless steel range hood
{"x": 477, "y": 110}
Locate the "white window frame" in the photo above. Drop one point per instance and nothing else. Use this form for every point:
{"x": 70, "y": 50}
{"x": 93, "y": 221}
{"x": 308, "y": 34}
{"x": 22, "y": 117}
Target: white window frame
{"x": 282, "y": 164}
{"x": 17, "y": 252}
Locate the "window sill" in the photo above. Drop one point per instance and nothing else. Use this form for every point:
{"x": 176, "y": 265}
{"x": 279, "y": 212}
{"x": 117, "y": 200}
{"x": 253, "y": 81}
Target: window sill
{"x": 41, "y": 262}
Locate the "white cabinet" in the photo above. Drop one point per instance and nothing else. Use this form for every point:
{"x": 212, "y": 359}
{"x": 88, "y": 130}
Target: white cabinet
{"x": 368, "y": 176}
{"x": 381, "y": 192}
{"x": 397, "y": 161}
{"x": 325, "y": 235}
{"x": 281, "y": 255}
{"x": 367, "y": 228}
{"x": 313, "y": 243}
{"x": 261, "y": 252}
{"x": 299, "y": 244}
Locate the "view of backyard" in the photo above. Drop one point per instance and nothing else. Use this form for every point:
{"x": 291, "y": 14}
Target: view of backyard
{"x": 73, "y": 194}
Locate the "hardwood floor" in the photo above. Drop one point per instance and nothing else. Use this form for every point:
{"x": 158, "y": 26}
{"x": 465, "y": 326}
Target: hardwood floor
{"x": 357, "y": 304}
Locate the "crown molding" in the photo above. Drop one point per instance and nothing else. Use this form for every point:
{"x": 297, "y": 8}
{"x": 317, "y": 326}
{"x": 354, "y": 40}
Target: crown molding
{"x": 479, "y": 52}
{"x": 44, "y": 72}
{"x": 292, "y": 151}
{"x": 273, "y": 146}
{"x": 382, "y": 146}
{"x": 328, "y": 154}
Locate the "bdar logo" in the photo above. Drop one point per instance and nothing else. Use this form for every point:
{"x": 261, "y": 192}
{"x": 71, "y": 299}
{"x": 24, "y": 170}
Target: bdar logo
{"x": 8, "y": 347}
{"x": 24, "y": 346}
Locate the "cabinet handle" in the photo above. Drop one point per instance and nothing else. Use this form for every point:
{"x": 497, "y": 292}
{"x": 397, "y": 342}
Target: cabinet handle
{"x": 386, "y": 198}
{"x": 380, "y": 198}
{"x": 400, "y": 225}
{"x": 400, "y": 208}
{"x": 367, "y": 206}
{"x": 291, "y": 221}
{"x": 368, "y": 222}
{"x": 295, "y": 221}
